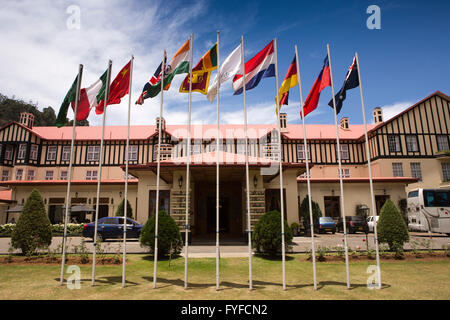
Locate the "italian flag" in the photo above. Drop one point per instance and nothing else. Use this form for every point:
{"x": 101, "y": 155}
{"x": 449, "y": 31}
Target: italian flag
{"x": 90, "y": 97}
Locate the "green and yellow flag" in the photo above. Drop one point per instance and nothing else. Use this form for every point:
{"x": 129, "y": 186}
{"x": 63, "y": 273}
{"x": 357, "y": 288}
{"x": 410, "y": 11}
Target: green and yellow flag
{"x": 202, "y": 72}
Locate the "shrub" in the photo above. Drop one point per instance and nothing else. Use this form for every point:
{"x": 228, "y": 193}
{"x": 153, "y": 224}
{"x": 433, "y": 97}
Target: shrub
{"x": 266, "y": 237}
{"x": 391, "y": 226}
{"x": 295, "y": 227}
{"x": 304, "y": 213}
{"x": 121, "y": 209}
{"x": 168, "y": 234}
{"x": 33, "y": 229}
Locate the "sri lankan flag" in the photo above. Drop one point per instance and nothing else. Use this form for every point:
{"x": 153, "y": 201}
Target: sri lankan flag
{"x": 202, "y": 72}
{"x": 290, "y": 80}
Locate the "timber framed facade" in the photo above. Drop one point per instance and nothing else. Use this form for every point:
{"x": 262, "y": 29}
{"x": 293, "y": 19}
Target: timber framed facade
{"x": 407, "y": 151}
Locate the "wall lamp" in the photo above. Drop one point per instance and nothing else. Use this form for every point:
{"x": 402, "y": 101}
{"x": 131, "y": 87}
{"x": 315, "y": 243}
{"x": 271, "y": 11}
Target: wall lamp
{"x": 180, "y": 181}
{"x": 255, "y": 181}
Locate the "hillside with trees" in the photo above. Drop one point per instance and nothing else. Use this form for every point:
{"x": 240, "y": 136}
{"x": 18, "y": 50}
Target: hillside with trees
{"x": 10, "y": 109}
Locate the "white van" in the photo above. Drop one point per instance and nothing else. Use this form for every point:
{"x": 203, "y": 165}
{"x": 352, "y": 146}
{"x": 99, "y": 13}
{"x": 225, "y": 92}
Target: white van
{"x": 429, "y": 210}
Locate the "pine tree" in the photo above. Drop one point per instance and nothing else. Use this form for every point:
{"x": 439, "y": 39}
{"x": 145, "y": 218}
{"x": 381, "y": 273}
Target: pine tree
{"x": 33, "y": 229}
{"x": 121, "y": 208}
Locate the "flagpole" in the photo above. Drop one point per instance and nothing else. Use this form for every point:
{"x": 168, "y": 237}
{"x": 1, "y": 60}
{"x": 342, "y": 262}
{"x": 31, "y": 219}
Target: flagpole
{"x": 217, "y": 168}
{"x": 283, "y": 249}
{"x": 155, "y": 253}
{"x": 311, "y": 222}
{"x": 99, "y": 176}
{"x": 374, "y": 208}
{"x": 249, "y": 227}
{"x": 125, "y": 210}
{"x": 77, "y": 96}
{"x": 340, "y": 172}
{"x": 188, "y": 161}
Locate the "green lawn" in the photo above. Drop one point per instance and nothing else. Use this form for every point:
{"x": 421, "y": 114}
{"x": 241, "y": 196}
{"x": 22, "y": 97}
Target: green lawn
{"x": 401, "y": 280}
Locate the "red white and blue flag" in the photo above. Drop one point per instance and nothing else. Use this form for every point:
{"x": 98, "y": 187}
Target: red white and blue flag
{"x": 351, "y": 81}
{"x": 322, "y": 81}
{"x": 260, "y": 66}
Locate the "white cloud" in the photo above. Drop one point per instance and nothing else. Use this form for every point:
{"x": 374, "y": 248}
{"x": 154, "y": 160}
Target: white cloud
{"x": 392, "y": 110}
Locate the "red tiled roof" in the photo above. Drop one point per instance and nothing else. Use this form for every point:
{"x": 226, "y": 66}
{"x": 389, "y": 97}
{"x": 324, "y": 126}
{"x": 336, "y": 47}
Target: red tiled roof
{"x": 64, "y": 182}
{"x": 361, "y": 180}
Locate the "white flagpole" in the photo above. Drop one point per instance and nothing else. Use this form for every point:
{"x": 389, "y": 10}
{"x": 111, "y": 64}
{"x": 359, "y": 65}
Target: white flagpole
{"x": 217, "y": 168}
{"x": 340, "y": 171}
{"x": 374, "y": 208}
{"x": 77, "y": 96}
{"x": 249, "y": 226}
{"x": 125, "y": 209}
{"x": 283, "y": 249}
{"x": 188, "y": 161}
{"x": 155, "y": 253}
{"x": 99, "y": 176}
{"x": 311, "y": 222}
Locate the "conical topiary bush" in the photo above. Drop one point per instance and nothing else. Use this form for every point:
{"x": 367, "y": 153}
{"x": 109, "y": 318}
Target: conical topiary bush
{"x": 121, "y": 208}
{"x": 33, "y": 229}
{"x": 391, "y": 226}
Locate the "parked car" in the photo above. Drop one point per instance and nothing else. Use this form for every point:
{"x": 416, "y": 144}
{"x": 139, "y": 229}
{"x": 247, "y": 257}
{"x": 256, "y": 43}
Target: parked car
{"x": 370, "y": 222}
{"x": 353, "y": 224}
{"x": 325, "y": 224}
{"x": 112, "y": 227}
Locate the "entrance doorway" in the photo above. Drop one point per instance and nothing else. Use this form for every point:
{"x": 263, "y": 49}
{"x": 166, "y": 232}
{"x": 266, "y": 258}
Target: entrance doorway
{"x": 379, "y": 202}
{"x": 332, "y": 207}
{"x": 224, "y": 226}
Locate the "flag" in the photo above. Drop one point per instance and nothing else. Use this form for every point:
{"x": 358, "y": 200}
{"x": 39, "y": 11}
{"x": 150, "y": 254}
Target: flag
{"x": 228, "y": 69}
{"x": 118, "y": 88}
{"x": 70, "y": 97}
{"x": 90, "y": 97}
{"x": 290, "y": 80}
{"x": 260, "y": 66}
{"x": 201, "y": 72}
{"x": 178, "y": 64}
{"x": 150, "y": 88}
{"x": 322, "y": 81}
{"x": 351, "y": 81}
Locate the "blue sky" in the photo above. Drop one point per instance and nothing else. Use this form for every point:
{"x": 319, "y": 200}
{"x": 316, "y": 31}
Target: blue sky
{"x": 402, "y": 63}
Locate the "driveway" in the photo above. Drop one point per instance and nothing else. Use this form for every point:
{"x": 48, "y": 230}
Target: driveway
{"x": 240, "y": 249}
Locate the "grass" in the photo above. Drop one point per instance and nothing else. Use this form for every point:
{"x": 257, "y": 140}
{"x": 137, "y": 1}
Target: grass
{"x": 401, "y": 280}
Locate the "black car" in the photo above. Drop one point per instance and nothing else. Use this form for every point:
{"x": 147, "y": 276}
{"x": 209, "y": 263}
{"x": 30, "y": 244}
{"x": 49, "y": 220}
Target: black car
{"x": 112, "y": 227}
{"x": 353, "y": 224}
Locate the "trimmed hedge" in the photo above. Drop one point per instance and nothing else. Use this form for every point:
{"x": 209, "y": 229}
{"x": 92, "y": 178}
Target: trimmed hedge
{"x": 73, "y": 229}
{"x": 391, "y": 227}
{"x": 266, "y": 237}
{"x": 33, "y": 229}
{"x": 168, "y": 234}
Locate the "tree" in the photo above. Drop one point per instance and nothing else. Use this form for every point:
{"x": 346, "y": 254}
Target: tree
{"x": 121, "y": 208}
{"x": 392, "y": 228}
{"x": 266, "y": 237}
{"x": 304, "y": 212}
{"x": 168, "y": 235}
{"x": 33, "y": 229}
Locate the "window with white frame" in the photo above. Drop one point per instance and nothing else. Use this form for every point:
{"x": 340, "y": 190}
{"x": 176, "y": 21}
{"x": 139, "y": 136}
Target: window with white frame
{"x": 411, "y": 143}
{"x": 51, "y": 153}
{"x": 132, "y": 153}
{"x": 22, "y": 151}
{"x": 397, "y": 169}
{"x": 270, "y": 151}
{"x": 65, "y": 153}
{"x": 240, "y": 148}
{"x": 5, "y": 175}
{"x": 345, "y": 155}
{"x": 394, "y": 143}
{"x": 442, "y": 142}
{"x": 93, "y": 153}
{"x": 33, "y": 152}
{"x": 165, "y": 152}
{"x": 49, "y": 175}
{"x": 345, "y": 173}
{"x": 301, "y": 152}
{"x": 30, "y": 175}
{"x": 196, "y": 148}
{"x": 63, "y": 175}
{"x": 91, "y": 175}
{"x": 8, "y": 152}
{"x": 212, "y": 146}
{"x": 416, "y": 171}
{"x": 446, "y": 171}
{"x": 19, "y": 174}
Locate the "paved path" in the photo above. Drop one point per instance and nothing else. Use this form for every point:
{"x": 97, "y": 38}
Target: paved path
{"x": 240, "y": 249}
